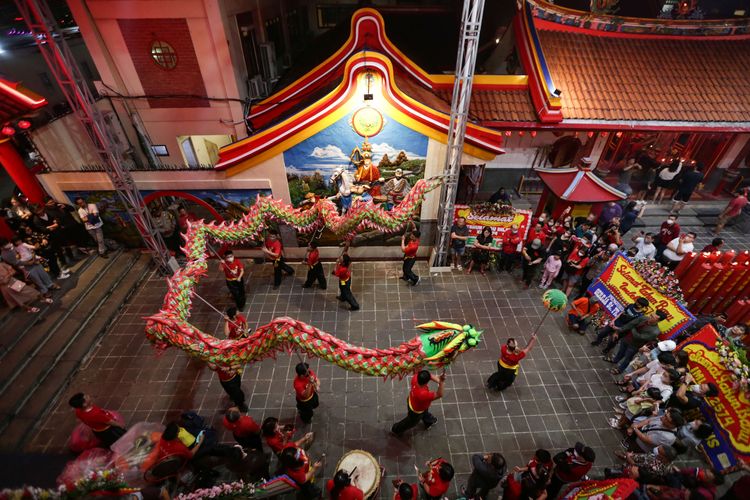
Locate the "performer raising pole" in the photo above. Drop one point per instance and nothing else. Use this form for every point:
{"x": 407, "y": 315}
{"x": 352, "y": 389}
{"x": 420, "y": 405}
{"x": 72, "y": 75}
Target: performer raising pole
{"x": 508, "y": 364}
{"x": 273, "y": 248}
{"x": 419, "y": 401}
{"x": 234, "y": 272}
{"x": 314, "y": 267}
{"x": 410, "y": 245}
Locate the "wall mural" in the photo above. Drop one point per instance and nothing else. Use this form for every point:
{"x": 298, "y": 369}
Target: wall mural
{"x": 364, "y": 156}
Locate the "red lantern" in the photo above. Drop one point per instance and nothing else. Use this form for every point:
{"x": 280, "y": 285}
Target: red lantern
{"x": 590, "y": 134}
{"x": 533, "y": 133}
{"x": 618, "y": 134}
{"x": 24, "y": 124}
{"x": 508, "y": 133}
{"x": 8, "y": 130}
{"x": 521, "y": 133}
{"x": 605, "y": 134}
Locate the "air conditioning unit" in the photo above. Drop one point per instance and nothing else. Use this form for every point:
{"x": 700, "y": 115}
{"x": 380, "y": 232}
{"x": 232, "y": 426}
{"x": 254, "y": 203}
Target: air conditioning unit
{"x": 256, "y": 87}
{"x": 268, "y": 61}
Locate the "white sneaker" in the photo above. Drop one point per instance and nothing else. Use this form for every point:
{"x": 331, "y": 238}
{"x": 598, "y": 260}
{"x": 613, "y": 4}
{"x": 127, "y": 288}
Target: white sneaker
{"x": 64, "y": 270}
{"x": 460, "y": 267}
{"x": 63, "y": 276}
{"x": 453, "y": 266}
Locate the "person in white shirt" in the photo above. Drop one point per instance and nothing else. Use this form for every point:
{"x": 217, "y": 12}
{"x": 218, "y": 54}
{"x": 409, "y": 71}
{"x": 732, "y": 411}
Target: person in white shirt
{"x": 644, "y": 243}
{"x": 676, "y": 250}
{"x": 89, "y": 214}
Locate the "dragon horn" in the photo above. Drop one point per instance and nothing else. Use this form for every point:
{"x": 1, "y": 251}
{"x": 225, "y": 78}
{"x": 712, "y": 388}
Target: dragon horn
{"x": 440, "y": 325}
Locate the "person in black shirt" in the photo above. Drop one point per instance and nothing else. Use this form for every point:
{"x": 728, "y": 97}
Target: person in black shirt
{"x": 533, "y": 255}
{"x": 488, "y": 470}
{"x": 561, "y": 245}
{"x": 687, "y": 183}
{"x": 480, "y": 253}
{"x": 689, "y": 394}
{"x": 500, "y": 196}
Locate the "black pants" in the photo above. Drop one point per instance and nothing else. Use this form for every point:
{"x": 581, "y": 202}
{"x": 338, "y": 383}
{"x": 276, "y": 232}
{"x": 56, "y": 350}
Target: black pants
{"x": 507, "y": 261}
{"x": 476, "y": 487}
{"x": 278, "y": 266}
{"x": 250, "y": 442}
{"x": 305, "y": 408}
{"x": 51, "y": 256}
{"x": 554, "y": 487}
{"x": 529, "y": 272}
{"x": 501, "y": 379}
{"x": 237, "y": 289}
{"x": 233, "y": 388}
{"x": 411, "y": 419}
{"x": 345, "y": 295}
{"x": 408, "y": 274}
{"x": 316, "y": 273}
{"x": 309, "y": 491}
{"x": 110, "y": 435}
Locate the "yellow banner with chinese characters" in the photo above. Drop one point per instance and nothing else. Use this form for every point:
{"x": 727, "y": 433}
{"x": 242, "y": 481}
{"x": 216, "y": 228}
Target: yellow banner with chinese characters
{"x": 620, "y": 284}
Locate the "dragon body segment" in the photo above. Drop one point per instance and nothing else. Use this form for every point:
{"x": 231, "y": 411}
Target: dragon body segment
{"x": 437, "y": 345}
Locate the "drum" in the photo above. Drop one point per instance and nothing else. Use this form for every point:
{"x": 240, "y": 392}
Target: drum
{"x": 368, "y": 472}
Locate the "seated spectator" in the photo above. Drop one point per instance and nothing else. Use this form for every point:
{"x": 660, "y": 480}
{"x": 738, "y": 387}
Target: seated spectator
{"x": 635, "y": 379}
{"x": 295, "y": 464}
{"x": 656, "y": 464}
{"x": 341, "y": 487}
{"x": 500, "y": 196}
{"x": 18, "y": 293}
{"x": 641, "y": 405}
{"x": 692, "y": 433}
{"x": 571, "y": 465}
{"x": 581, "y": 312}
{"x": 644, "y": 243}
{"x": 487, "y": 472}
{"x": 277, "y": 437}
{"x": 177, "y": 441}
{"x": 656, "y": 431}
{"x": 31, "y": 269}
{"x": 689, "y": 394}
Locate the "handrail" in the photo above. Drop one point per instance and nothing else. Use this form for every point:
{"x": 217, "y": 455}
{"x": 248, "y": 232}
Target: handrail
{"x": 542, "y": 9}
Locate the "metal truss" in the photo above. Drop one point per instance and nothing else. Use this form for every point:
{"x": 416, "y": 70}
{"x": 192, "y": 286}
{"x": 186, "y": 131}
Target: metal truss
{"x": 471, "y": 25}
{"x": 64, "y": 68}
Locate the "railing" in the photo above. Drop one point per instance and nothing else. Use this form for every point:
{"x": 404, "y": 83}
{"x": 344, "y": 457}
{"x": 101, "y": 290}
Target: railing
{"x": 635, "y": 25}
{"x": 134, "y": 168}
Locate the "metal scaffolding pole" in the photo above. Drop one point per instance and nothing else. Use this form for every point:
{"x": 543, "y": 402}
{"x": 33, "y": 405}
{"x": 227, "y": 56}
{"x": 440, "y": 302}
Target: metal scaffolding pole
{"x": 64, "y": 68}
{"x": 471, "y": 25}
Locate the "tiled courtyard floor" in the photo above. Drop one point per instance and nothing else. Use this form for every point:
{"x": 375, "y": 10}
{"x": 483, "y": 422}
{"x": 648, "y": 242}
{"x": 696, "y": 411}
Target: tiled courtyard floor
{"x": 563, "y": 393}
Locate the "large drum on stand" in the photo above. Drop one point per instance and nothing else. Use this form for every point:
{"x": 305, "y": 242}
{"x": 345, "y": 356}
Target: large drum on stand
{"x": 365, "y": 471}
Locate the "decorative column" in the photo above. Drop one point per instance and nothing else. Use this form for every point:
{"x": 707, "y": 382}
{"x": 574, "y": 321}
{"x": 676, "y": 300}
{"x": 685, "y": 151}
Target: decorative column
{"x": 22, "y": 177}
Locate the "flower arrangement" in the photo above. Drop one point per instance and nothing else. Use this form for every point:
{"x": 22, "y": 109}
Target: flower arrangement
{"x": 108, "y": 480}
{"x": 735, "y": 361}
{"x": 492, "y": 210}
{"x": 660, "y": 278}
{"x": 224, "y": 491}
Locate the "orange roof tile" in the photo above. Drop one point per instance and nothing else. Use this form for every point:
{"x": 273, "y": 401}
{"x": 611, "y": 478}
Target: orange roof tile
{"x": 496, "y": 105}
{"x": 649, "y": 79}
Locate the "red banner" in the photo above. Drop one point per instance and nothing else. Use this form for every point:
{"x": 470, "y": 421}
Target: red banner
{"x": 498, "y": 223}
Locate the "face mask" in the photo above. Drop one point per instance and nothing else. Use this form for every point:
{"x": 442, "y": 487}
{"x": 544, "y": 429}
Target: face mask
{"x": 670, "y": 222}
{"x": 230, "y": 259}
{"x": 695, "y": 388}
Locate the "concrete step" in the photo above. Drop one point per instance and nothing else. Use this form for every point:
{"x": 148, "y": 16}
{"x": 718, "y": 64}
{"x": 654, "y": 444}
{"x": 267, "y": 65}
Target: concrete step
{"x": 34, "y": 382}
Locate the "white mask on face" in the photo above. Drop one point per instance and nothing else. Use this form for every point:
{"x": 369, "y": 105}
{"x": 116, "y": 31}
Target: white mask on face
{"x": 230, "y": 258}
{"x": 670, "y": 221}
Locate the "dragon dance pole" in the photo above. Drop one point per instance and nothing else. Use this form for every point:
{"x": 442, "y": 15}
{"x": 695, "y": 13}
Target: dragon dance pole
{"x": 546, "y": 313}
{"x": 212, "y": 307}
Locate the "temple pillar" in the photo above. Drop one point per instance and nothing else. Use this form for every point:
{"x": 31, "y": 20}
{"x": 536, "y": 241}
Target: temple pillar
{"x": 23, "y": 178}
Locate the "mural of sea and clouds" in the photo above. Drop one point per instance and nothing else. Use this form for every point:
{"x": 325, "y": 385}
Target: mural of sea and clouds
{"x": 310, "y": 164}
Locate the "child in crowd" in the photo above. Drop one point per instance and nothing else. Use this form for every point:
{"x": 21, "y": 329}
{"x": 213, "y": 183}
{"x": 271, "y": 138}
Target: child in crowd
{"x": 551, "y": 269}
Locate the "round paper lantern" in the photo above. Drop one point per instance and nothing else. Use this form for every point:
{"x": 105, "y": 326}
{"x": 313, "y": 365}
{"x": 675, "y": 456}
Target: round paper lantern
{"x": 23, "y": 124}
{"x": 8, "y": 130}
{"x": 554, "y": 300}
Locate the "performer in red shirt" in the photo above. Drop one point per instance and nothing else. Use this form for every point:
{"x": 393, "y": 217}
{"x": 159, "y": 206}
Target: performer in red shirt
{"x": 306, "y": 391}
{"x": 101, "y": 422}
{"x": 571, "y": 466}
{"x": 314, "y": 267}
{"x": 235, "y": 325}
{"x": 343, "y": 273}
{"x": 437, "y": 479}
{"x": 732, "y": 210}
{"x": 508, "y": 364}
{"x": 295, "y": 464}
{"x": 234, "y": 272}
{"x": 245, "y": 430}
{"x": 341, "y": 488}
{"x": 231, "y": 382}
{"x": 418, "y": 402}
{"x": 404, "y": 490}
{"x": 277, "y": 437}
{"x": 409, "y": 245}
{"x": 275, "y": 250}
{"x": 509, "y": 254}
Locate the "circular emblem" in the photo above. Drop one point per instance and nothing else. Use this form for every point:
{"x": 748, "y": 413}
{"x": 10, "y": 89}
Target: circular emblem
{"x": 367, "y": 121}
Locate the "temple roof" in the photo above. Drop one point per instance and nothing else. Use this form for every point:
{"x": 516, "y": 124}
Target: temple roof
{"x": 17, "y": 101}
{"x": 578, "y": 185}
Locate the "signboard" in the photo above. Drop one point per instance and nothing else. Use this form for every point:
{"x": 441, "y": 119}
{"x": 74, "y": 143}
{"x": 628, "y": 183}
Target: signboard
{"x": 729, "y": 412}
{"x": 619, "y": 284}
{"x": 499, "y": 224}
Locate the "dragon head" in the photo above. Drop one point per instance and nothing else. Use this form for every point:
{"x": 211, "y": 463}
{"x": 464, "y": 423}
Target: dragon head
{"x": 442, "y": 341}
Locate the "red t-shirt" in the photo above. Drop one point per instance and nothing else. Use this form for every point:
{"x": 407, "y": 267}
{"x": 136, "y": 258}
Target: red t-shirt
{"x": 513, "y": 488}
{"x": 510, "y": 242}
{"x": 420, "y": 396}
{"x": 434, "y": 484}
{"x": 342, "y": 273}
{"x": 349, "y": 492}
{"x": 275, "y": 247}
{"x": 226, "y": 375}
{"x": 237, "y": 326}
{"x": 244, "y": 427}
{"x": 313, "y": 257}
{"x": 300, "y": 384}
{"x": 94, "y": 417}
{"x": 173, "y": 447}
{"x": 277, "y": 442}
{"x": 414, "y": 493}
{"x": 510, "y": 358}
{"x": 668, "y": 232}
{"x": 299, "y": 474}
{"x": 232, "y": 269}
{"x": 533, "y": 235}
{"x": 576, "y": 259}
{"x": 411, "y": 249}
{"x": 736, "y": 205}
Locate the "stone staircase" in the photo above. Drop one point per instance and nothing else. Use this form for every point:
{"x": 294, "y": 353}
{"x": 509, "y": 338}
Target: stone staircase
{"x": 40, "y": 353}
